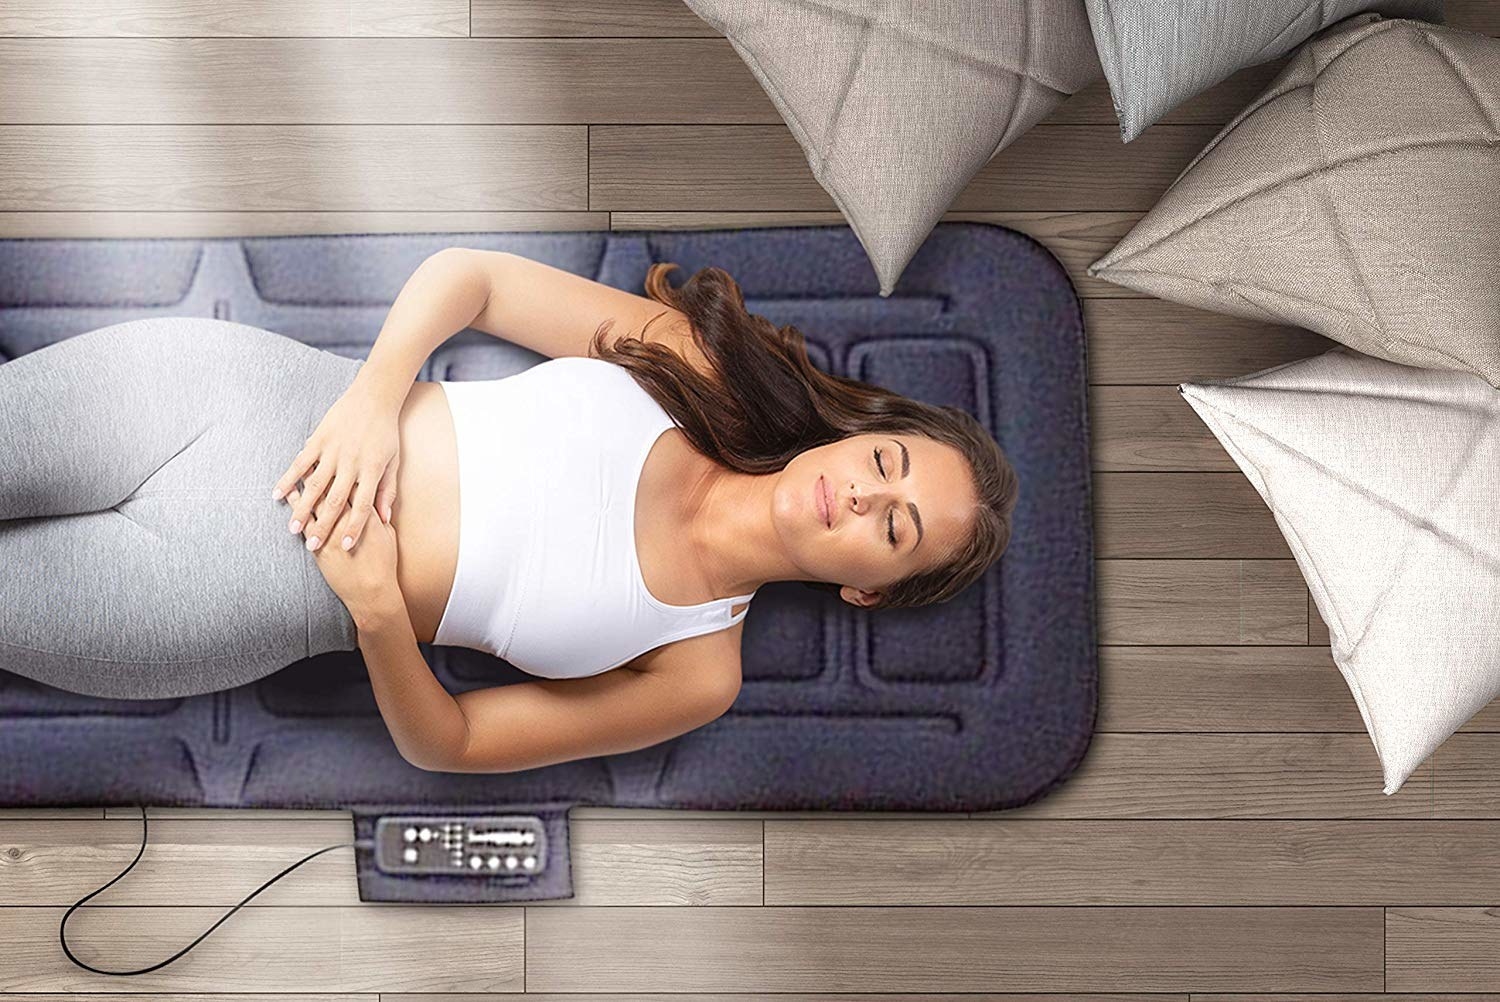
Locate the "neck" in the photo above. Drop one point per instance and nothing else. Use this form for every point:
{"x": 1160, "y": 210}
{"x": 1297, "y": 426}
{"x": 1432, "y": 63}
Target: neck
{"x": 728, "y": 525}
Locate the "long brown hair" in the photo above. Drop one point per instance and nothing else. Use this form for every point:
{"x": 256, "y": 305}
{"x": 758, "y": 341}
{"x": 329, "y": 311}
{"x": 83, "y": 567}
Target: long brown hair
{"x": 770, "y": 403}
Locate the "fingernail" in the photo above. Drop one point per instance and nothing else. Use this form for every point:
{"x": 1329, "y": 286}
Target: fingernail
{"x": 276, "y": 494}
{"x": 294, "y": 525}
{"x": 348, "y": 542}
{"x": 312, "y": 542}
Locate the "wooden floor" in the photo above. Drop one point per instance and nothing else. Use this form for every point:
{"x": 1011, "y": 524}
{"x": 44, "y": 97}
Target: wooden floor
{"x": 1226, "y": 835}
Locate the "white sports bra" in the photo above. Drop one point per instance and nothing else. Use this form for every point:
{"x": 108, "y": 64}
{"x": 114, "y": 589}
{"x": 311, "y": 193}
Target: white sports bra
{"x": 549, "y": 461}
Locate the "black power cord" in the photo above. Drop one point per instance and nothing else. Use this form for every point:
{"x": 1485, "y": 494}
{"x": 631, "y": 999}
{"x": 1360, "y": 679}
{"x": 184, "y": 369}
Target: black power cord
{"x": 63, "y": 937}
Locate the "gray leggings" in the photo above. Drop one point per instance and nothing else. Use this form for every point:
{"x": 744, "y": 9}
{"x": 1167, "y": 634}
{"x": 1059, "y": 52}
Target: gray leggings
{"x": 141, "y": 555}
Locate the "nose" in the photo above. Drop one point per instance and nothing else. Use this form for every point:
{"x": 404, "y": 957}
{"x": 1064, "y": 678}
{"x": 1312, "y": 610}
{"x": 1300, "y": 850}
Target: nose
{"x": 860, "y": 497}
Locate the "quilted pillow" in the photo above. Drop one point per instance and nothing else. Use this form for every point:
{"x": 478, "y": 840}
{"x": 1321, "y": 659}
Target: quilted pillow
{"x": 1358, "y": 197}
{"x": 1159, "y": 53}
{"x": 898, "y": 106}
{"x": 1383, "y": 479}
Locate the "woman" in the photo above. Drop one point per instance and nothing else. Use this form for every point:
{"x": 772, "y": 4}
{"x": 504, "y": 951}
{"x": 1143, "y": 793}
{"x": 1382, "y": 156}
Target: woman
{"x": 146, "y": 560}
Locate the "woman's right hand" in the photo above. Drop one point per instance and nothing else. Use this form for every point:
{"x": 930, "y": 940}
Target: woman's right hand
{"x": 354, "y": 450}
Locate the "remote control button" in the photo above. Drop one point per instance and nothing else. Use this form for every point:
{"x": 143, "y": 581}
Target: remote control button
{"x": 475, "y": 862}
{"x": 410, "y": 835}
{"x": 494, "y": 862}
{"x": 410, "y": 855}
{"x": 529, "y": 862}
{"x": 425, "y": 834}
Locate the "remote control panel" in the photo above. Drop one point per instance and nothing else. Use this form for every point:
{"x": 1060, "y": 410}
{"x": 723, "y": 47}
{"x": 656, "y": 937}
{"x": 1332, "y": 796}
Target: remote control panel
{"x": 506, "y": 845}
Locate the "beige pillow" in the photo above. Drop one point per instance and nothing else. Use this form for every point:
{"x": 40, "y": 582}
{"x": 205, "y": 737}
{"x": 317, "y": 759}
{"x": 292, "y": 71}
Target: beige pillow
{"x": 1383, "y": 478}
{"x": 898, "y": 106}
{"x": 1159, "y": 53}
{"x": 1358, "y": 197}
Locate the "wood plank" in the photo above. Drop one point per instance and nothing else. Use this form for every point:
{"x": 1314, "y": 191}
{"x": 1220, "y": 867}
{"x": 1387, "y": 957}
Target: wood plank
{"x": 1183, "y": 515}
{"x": 1317, "y": 629}
{"x": 1158, "y": 342}
{"x": 1144, "y": 428}
{"x": 1133, "y": 863}
{"x": 363, "y": 948}
{"x": 1183, "y": 776}
{"x": 1466, "y": 766}
{"x": 1442, "y": 949}
{"x": 962, "y": 949}
{"x": 1200, "y": 602}
{"x": 1230, "y": 689}
{"x": 219, "y": 858}
{"x": 287, "y": 167}
{"x": 229, "y": 223}
{"x": 407, "y": 18}
{"x": 588, "y": 18}
{"x": 535, "y": 81}
{"x": 1050, "y": 168}
{"x": 1482, "y": 16}
{"x": 594, "y": 77}
{"x": 1227, "y": 689}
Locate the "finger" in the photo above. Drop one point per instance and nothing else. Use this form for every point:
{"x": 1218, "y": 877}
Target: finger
{"x": 385, "y": 497}
{"x": 330, "y": 509}
{"x": 313, "y": 485}
{"x": 360, "y": 510}
{"x": 301, "y": 463}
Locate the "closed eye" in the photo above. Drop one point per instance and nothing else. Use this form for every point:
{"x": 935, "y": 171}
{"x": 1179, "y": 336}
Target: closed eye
{"x": 891, "y": 518}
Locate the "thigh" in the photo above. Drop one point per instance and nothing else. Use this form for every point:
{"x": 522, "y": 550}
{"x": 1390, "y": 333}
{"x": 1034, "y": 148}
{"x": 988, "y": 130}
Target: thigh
{"x": 159, "y": 403}
{"x": 140, "y": 601}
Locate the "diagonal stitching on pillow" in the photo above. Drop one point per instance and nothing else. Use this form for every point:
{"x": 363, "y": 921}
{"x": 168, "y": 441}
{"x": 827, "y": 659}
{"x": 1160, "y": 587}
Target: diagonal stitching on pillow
{"x": 799, "y": 127}
{"x": 1010, "y": 110}
{"x": 1458, "y": 77}
{"x": 1401, "y": 148}
{"x": 1321, "y": 186}
{"x": 1266, "y": 98}
{"x": 1413, "y": 520}
{"x": 1276, "y": 39}
{"x": 867, "y": 30}
{"x": 1414, "y": 524}
{"x": 1230, "y": 287}
{"x": 929, "y": 40}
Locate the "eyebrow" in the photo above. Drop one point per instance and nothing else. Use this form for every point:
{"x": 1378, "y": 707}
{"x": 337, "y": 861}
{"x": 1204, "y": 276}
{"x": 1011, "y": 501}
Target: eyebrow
{"x": 916, "y": 516}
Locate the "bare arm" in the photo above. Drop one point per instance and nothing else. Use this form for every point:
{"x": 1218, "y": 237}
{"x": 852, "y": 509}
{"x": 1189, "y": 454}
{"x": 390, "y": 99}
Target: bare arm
{"x": 425, "y": 721}
{"x": 527, "y": 725}
{"x": 442, "y": 297}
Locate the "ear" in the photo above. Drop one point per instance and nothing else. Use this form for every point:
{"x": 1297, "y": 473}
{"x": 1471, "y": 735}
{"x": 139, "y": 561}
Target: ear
{"x": 858, "y": 596}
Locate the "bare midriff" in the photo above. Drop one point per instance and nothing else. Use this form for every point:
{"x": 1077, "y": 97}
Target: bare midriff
{"x": 426, "y": 510}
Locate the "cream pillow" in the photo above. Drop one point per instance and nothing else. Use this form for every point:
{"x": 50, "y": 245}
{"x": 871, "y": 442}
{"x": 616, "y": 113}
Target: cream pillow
{"x": 898, "y": 106}
{"x": 1358, "y": 197}
{"x": 1384, "y": 479}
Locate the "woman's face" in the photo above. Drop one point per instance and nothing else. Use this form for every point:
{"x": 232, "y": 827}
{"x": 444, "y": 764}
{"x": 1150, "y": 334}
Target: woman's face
{"x": 910, "y": 488}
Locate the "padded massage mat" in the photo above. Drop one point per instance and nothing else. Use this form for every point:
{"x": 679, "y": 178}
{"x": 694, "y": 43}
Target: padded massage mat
{"x": 981, "y": 703}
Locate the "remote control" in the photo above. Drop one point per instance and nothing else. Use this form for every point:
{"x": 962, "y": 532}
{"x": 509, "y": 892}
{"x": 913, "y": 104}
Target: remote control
{"x": 504, "y": 845}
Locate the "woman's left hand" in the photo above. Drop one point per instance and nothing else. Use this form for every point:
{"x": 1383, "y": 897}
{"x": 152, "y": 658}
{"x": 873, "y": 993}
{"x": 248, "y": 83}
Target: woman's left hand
{"x": 364, "y": 576}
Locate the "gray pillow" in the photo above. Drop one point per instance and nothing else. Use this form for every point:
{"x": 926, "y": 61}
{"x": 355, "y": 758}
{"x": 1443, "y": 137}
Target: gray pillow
{"x": 1358, "y": 197}
{"x": 898, "y": 106}
{"x": 1159, "y": 53}
{"x": 1383, "y": 479}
